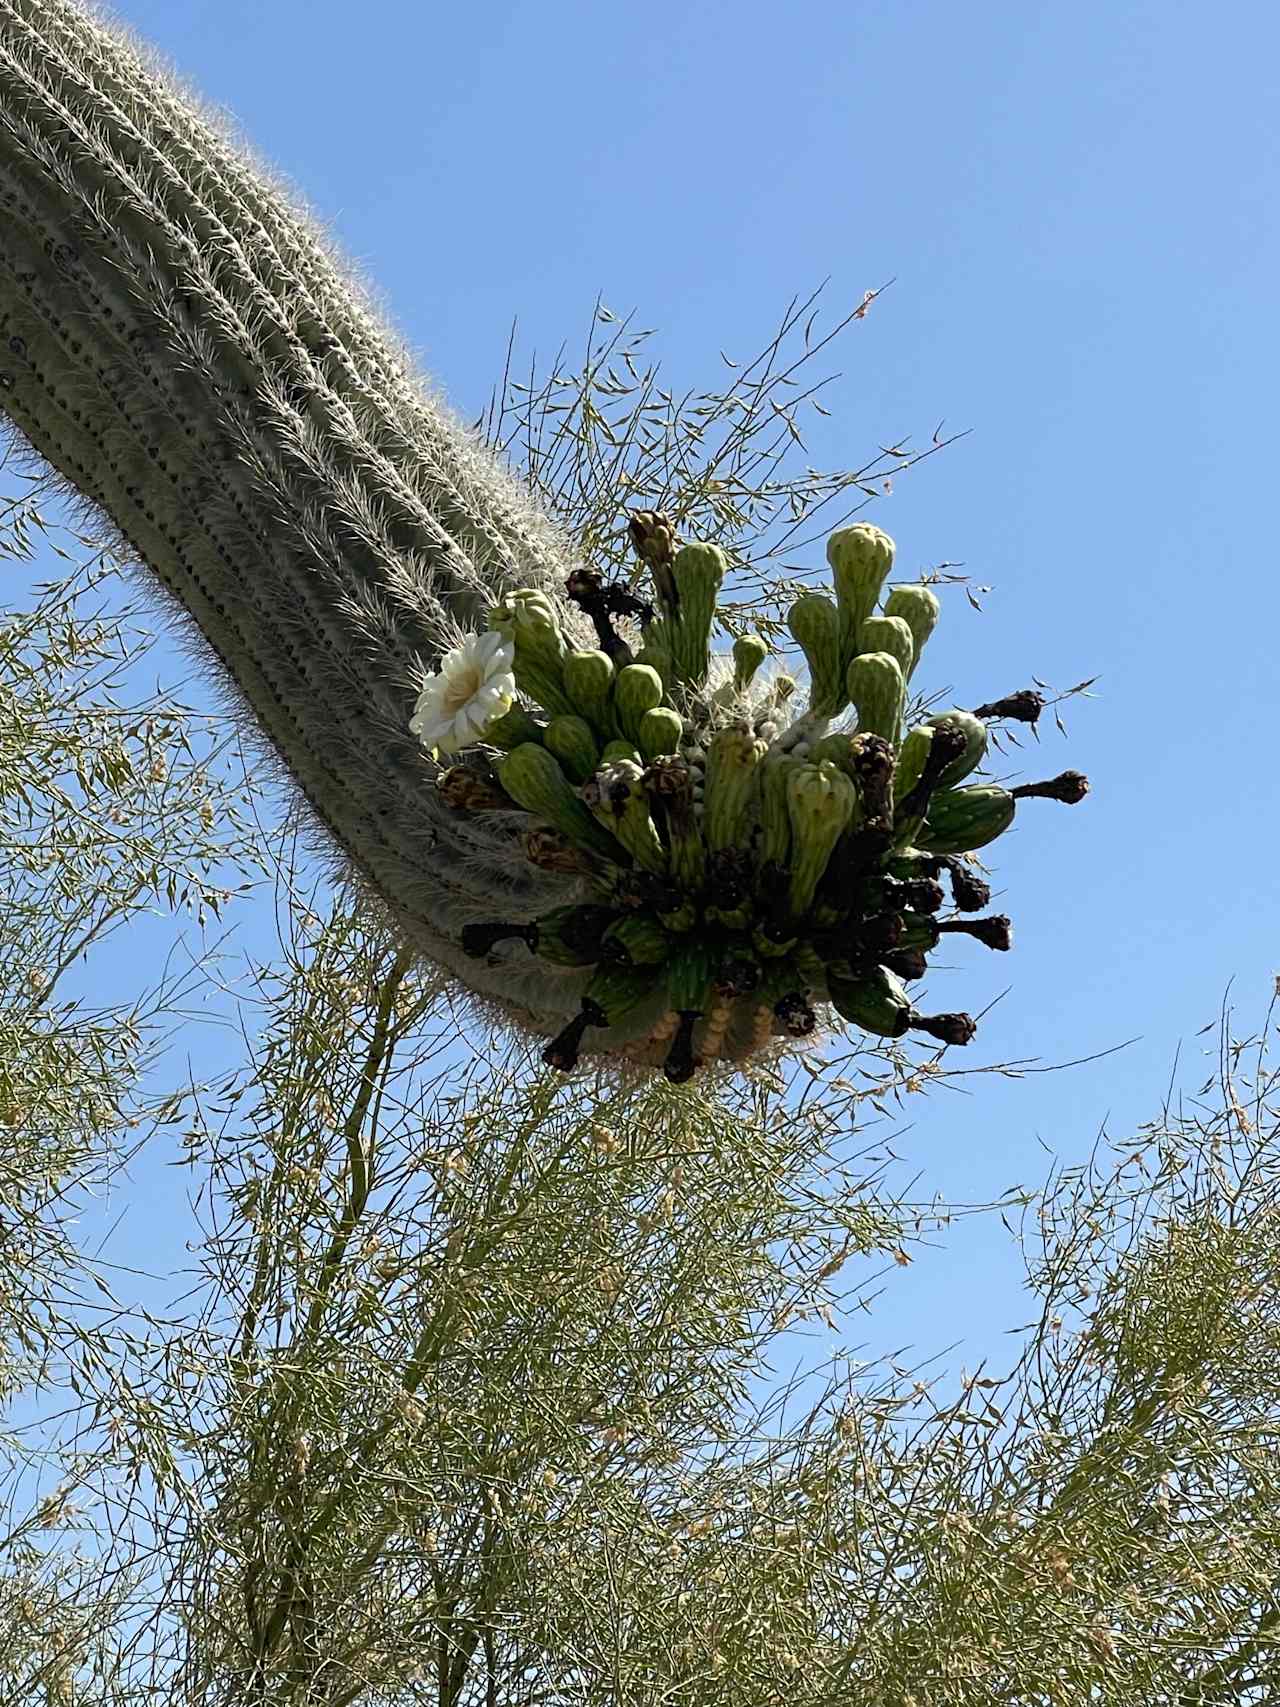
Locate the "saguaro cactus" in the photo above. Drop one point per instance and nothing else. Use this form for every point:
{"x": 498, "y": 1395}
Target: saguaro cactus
{"x": 181, "y": 343}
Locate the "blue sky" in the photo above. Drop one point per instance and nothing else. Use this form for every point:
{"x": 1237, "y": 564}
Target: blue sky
{"x": 1077, "y": 207}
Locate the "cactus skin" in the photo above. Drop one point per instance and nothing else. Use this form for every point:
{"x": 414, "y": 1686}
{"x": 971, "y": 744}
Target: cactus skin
{"x": 961, "y": 819}
{"x": 534, "y": 780}
{"x": 860, "y": 558}
{"x": 570, "y": 740}
{"x": 183, "y": 345}
{"x": 877, "y": 688}
{"x": 588, "y": 681}
{"x": 892, "y": 635}
{"x": 919, "y": 607}
{"x": 814, "y": 622}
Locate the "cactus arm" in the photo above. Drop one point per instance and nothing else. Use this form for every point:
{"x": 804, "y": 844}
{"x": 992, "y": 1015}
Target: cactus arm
{"x": 179, "y": 343}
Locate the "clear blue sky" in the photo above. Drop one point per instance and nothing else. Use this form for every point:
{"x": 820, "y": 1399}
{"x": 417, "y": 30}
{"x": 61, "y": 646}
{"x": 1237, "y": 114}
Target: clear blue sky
{"x": 1078, "y": 206}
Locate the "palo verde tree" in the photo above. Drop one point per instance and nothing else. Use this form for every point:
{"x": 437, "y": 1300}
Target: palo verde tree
{"x": 463, "y": 1396}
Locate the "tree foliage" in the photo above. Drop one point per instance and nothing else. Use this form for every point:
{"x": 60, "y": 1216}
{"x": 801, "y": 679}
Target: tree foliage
{"x": 467, "y": 1394}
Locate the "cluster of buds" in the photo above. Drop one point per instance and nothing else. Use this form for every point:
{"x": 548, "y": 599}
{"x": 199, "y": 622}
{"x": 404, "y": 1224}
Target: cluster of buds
{"x": 741, "y": 865}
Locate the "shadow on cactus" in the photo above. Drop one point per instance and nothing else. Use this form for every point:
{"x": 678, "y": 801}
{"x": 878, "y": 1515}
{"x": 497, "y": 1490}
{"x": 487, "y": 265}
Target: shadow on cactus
{"x": 739, "y": 868}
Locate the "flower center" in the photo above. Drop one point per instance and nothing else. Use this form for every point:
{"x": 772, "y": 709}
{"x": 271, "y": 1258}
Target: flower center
{"x": 462, "y": 687}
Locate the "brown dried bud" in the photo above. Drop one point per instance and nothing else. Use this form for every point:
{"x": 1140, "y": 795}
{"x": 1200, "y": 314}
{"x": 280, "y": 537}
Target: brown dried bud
{"x": 681, "y": 1062}
{"x": 467, "y": 790}
{"x": 873, "y": 763}
{"x": 969, "y": 891}
{"x": 947, "y": 1028}
{"x": 550, "y": 851}
{"x": 562, "y": 1052}
{"x": 1070, "y": 788}
{"x": 995, "y": 932}
{"x": 737, "y": 975}
{"x": 1024, "y": 706}
{"x": 653, "y": 537}
{"x": 908, "y": 963}
{"x": 797, "y": 1016}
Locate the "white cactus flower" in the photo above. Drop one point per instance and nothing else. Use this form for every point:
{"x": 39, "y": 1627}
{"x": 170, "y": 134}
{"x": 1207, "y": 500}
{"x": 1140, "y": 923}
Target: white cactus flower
{"x": 473, "y": 686}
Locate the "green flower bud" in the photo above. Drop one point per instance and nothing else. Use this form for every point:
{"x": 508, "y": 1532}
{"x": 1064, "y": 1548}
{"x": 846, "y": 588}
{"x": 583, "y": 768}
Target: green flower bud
{"x": 875, "y": 1000}
{"x": 749, "y": 652}
{"x": 911, "y": 760}
{"x": 820, "y": 803}
{"x": 661, "y": 731}
{"x": 637, "y": 689}
{"x": 637, "y": 940}
{"x": 889, "y": 634}
{"x": 571, "y": 741}
{"x": 861, "y": 558}
{"x": 775, "y": 819}
{"x": 877, "y": 688}
{"x": 975, "y": 733}
{"x": 512, "y": 728}
{"x": 698, "y": 572}
{"x": 961, "y": 819}
{"x": 919, "y": 608}
{"x": 733, "y": 759}
{"x": 571, "y": 935}
{"x": 615, "y": 750}
{"x": 528, "y": 619}
{"x": 534, "y": 780}
{"x": 588, "y": 681}
{"x": 814, "y": 621}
